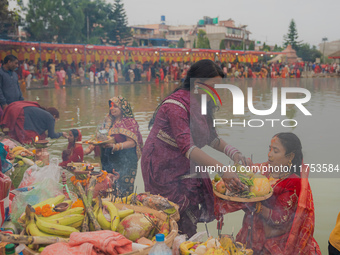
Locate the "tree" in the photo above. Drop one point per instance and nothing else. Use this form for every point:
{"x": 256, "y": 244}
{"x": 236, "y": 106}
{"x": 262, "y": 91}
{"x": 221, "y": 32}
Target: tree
{"x": 202, "y": 40}
{"x": 118, "y": 32}
{"x": 222, "y": 46}
{"x": 9, "y": 20}
{"x": 251, "y": 46}
{"x": 134, "y": 44}
{"x": 180, "y": 43}
{"x": 265, "y": 47}
{"x": 194, "y": 46}
{"x": 277, "y": 48}
{"x": 97, "y": 20}
{"x": 54, "y": 20}
{"x": 308, "y": 53}
{"x": 292, "y": 36}
{"x": 233, "y": 47}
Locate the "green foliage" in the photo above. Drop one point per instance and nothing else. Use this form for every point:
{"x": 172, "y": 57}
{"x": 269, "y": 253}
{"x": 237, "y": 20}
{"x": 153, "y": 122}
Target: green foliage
{"x": 134, "y": 44}
{"x": 77, "y": 21}
{"x": 308, "y": 53}
{"x": 171, "y": 45}
{"x": 292, "y": 36}
{"x": 251, "y": 45}
{"x": 265, "y": 47}
{"x": 277, "y": 48}
{"x": 232, "y": 47}
{"x": 118, "y": 31}
{"x": 194, "y": 46}
{"x": 180, "y": 43}
{"x": 222, "y": 46}
{"x": 202, "y": 40}
{"x": 9, "y": 20}
{"x": 54, "y": 20}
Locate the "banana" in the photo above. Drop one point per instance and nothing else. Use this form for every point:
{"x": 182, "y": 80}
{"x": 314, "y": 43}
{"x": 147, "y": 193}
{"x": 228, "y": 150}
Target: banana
{"x": 76, "y": 225}
{"x": 70, "y": 202}
{"x": 184, "y": 247}
{"x": 103, "y": 222}
{"x": 76, "y": 210}
{"x": 31, "y": 227}
{"x": 54, "y": 229}
{"x": 123, "y": 213}
{"x": 66, "y": 220}
{"x": 51, "y": 201}
{"x": 54, "y": 200}
{"x": 113, "y": 213}
{"x": 125, "y": 200}
{"x": 17, "y": 148}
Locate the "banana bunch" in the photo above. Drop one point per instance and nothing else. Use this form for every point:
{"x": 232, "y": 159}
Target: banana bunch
{"x": 61, "y": 225}
{"x": 19, "y": 150}
{"x": 112, "y": 219}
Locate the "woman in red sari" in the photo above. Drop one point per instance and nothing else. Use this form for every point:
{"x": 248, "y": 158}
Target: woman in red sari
{"x": 173, "y": 149}
{"x": 74, "y": 152}
{"x": 284, "y": 223}
{"x": 27, "y": 120}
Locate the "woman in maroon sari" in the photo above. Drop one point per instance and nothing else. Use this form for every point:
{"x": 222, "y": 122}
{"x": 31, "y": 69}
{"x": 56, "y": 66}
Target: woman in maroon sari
{"x": 284, "y": 223}
{"x": 74, "y": 152}
{"x": 174, "y": 143}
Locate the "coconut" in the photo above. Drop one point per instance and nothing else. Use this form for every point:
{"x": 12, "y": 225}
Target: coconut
{"x": 135, "y": 226}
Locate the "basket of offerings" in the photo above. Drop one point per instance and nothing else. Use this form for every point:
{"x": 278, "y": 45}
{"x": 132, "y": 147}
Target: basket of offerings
{"x": 256, "y": 188}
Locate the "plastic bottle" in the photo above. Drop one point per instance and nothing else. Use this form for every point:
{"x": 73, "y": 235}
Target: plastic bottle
{"x": 160, "y": 248}
{"x": 10, "y": 249}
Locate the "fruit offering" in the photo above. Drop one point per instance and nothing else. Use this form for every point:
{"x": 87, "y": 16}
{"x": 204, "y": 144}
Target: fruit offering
{"x": 255, "y": 185}
{"x": 222, "y": 246}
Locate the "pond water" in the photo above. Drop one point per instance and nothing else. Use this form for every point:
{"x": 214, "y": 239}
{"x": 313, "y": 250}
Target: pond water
{"x": 85, "y": 107}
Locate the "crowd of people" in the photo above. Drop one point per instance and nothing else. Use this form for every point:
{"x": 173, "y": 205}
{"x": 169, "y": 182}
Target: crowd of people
{"x": 108, "y": 72}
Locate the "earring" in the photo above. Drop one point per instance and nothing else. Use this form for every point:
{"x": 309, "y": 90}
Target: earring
{"x": 290, "y": 163}
{"x": 196, "y": 89}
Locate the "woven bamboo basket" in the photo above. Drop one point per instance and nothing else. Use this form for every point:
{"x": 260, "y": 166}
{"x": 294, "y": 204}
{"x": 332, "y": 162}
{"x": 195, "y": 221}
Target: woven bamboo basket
{"x": 161, "y": 216}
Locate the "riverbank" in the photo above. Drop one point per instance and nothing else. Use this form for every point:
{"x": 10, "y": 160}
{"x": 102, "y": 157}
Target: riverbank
{"x": 38, "y": 84}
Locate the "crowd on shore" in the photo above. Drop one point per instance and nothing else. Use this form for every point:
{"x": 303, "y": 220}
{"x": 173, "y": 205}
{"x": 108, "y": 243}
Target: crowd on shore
{"x": 65, "y": 73}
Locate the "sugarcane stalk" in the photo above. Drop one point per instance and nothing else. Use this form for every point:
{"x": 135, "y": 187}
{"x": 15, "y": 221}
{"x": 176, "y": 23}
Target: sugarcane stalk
{"x": 88, "y": 207}
{"x": 85, "y": 224}
{"x": 17, "y": 239}
{"x": 90, "y": 189}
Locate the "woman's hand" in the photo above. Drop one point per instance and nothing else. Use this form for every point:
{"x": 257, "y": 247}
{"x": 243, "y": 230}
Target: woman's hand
{"x": 65, "y": 135}
{"x": 108, "y": 145}
{"x": 232, "y": 182}
{"x": 239, "y": 157}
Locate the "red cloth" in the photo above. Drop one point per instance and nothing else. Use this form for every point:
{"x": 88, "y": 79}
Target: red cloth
{"x": 292, "y": 209}
{"x": 14, "y": 118}
{"x": 77, "y": 152}
{"x": 91, "y": 243}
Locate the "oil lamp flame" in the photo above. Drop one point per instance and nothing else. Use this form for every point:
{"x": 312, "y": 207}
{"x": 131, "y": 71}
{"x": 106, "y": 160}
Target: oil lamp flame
{"x": 36, "y": 139}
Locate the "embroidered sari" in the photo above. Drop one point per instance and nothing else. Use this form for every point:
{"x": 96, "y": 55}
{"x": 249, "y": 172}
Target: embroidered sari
{"x": 290, "y": 227}
{"x": 123, "y": 161}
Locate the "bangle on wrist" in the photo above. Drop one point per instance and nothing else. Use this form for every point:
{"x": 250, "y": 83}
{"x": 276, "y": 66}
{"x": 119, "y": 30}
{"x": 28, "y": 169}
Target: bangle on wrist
{"x": 122, "y": 148}
{"x": 230, "y": 151}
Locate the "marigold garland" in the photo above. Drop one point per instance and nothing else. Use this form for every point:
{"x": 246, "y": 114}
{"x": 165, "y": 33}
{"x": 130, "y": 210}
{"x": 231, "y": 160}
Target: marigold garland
{"x": 45, "y": 211}
{"x": 84, "y": 182}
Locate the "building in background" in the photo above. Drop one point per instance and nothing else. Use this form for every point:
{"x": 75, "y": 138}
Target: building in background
{"x": 328, "y": 48}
